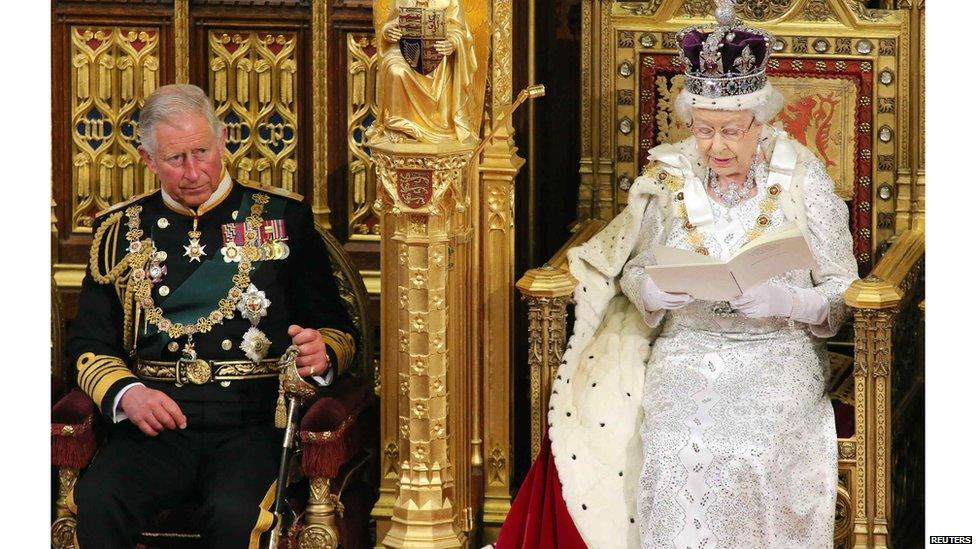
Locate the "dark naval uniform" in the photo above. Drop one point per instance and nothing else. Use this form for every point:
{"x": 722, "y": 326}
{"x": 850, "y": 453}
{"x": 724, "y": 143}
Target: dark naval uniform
{"x": 143, "y": 292}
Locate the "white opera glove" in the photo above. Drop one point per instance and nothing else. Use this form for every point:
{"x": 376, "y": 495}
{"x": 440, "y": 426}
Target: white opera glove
{"x": 656, "y": 299}
{"x": 766, "y": 300}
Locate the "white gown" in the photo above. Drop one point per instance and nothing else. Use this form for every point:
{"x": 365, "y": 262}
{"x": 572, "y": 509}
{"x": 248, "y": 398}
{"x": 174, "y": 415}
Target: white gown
{"x": 738, "y": 432}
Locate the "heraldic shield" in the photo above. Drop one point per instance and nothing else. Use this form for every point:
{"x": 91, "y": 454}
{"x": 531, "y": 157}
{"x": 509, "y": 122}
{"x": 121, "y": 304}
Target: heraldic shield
{"x": 421, "y": 28}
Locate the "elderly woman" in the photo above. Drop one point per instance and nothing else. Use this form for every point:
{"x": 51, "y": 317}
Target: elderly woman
{"x": 720, "y": 433}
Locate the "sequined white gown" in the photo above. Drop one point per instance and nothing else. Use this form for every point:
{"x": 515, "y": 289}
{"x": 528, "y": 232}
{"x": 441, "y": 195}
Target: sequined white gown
{"x": 738, "y": 433}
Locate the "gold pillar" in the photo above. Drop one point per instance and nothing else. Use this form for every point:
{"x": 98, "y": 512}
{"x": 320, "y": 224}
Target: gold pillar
{"x": 423, "y": 195}
{"x": 320, "y": 105}
{"x": 321, "y": 530}
{"x": 181, "y": 40}
{"x": 875, "y": 303}
{"x": 63, "y": 529}
{"x": 548, "y": 291}
{"x": 494, "y": 262}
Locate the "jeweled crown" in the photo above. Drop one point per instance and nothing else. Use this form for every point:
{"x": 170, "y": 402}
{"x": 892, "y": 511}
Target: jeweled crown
{"x": 724, "y": 59}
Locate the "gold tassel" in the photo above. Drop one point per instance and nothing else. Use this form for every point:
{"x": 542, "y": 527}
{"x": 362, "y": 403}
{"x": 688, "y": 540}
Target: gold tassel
{"x": 281, "y": 415}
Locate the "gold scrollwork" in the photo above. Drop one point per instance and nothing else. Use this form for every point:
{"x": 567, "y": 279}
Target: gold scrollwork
{"x": 497, "y": 465}
{"x": 647, "y": 7}
{"x": 253, "y": 82}
{"x": 317, "y": 537}
{"x": 63, "y": 533}
{"x": 360, "y": 112}
{"x": 818, "y": 10}
{"x": 113, "y": 70}
{"x": 391, "y": 456}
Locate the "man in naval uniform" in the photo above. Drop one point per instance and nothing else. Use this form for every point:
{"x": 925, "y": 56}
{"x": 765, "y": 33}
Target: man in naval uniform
{"x": 192, "y": 294}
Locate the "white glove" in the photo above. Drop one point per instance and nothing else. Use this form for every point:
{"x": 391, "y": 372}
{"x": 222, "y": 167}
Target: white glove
{"x": 766, "y": 300}
{"x": 656, "y": 299}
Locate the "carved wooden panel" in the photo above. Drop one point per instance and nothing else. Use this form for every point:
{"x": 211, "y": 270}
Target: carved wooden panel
{"x": 253, "y": 80}
{"x": 360, "y": 113}
{"x": 113, "y": 69}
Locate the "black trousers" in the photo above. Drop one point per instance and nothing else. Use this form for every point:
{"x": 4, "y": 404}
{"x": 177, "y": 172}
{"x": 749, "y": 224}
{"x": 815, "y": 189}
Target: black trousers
{"x": 230, "y": 469}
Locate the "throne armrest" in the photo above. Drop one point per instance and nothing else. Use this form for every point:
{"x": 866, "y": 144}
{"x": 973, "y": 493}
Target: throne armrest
{"x": 328, "y": 433}
{"x": 73, "y": 430}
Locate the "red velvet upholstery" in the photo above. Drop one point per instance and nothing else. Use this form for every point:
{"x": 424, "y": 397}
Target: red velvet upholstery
{"x": 73, "y": 430}
{"x": 328, "y": 429}
{"x": 843, "y": 419}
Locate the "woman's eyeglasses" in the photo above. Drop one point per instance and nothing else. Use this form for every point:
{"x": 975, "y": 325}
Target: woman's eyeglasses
{"x": 728, "y": 133}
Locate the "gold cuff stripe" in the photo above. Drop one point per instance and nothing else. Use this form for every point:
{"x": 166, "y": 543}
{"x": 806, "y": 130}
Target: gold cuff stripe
{"x": 97, "y": 374}
{"x": 94, "y": 368}
{"x": 265, "y": 517}
{"x": 343, "y": 346}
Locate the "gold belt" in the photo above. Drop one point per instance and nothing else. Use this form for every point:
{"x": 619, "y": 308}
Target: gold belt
{"x": 199, "y": 371}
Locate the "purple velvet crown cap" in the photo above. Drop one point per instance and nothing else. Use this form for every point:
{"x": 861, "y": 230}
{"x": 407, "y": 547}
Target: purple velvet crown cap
{"x": 730, "y": 50}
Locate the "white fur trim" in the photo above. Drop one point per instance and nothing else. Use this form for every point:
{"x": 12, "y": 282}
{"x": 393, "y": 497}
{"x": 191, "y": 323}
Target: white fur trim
{"x": 595, "y": 413}
{"x": 742, "y": 102}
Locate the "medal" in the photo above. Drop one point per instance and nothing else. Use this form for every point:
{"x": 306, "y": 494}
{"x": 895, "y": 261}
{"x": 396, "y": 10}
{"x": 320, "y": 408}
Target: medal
{"x": 156, "y": 272}
{"x": 231, "y": 252}
{"x": 271, "y": 241}
{"x": 194, "y": 250}
{"x": 255, "y": 344}
{"x": 253, "y": 305}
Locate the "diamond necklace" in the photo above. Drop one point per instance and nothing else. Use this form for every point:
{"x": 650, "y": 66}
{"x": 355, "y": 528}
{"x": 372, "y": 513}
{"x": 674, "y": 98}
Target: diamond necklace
{"x": 735, "y": 193}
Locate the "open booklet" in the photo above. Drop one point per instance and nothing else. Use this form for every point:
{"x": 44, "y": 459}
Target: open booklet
{"x": 773, "y": 253}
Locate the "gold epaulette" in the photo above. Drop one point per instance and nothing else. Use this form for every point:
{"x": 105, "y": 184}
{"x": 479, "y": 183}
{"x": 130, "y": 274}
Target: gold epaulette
{"x": 120, "y": 205}
{"x": 277, "y": 191}
{"x": 656, "y": 171}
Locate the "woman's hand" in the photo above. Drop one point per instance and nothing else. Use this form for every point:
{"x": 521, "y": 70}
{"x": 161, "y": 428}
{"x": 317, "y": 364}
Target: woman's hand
{"x": 764, "y": 301}
{"x": 656, "y": 299}
{"x": 393, "y": 33}
{"x": 800, "y": 304}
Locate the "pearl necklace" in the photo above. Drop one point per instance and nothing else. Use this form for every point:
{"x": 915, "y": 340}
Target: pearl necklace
{"x": 735, "y": 193}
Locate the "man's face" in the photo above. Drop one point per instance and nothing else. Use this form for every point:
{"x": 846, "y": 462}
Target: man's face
{"x": 727, "y": 156}
{"x": 187, "y": 159}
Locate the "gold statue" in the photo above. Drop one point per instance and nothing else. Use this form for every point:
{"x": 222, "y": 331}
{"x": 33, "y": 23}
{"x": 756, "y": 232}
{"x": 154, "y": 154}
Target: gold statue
{"x": 426, "y": 74}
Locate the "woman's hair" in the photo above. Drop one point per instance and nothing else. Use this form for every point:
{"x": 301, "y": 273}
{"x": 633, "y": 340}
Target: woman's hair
{"x": 764, "y": 112}
{"x": 170, "y": 102}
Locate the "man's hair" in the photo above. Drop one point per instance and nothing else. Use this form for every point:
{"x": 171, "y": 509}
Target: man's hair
{"x": 170, "y": 102}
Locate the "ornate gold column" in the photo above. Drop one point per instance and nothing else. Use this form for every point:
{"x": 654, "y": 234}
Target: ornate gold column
{"x": 320, "y": 105}
{"x": 495, "y": 259}
{"x": 548, "y": 291}
{"x": 422, "y": 188}
{"x": 876, "y": 300}
{"x": 181, "y": 40}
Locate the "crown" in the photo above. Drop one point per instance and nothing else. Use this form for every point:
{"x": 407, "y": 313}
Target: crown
{"x": 726, "y": 59}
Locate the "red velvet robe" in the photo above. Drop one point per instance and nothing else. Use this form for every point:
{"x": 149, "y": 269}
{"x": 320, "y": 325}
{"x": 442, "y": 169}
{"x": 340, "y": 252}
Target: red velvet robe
{"x": 539, "y": 518}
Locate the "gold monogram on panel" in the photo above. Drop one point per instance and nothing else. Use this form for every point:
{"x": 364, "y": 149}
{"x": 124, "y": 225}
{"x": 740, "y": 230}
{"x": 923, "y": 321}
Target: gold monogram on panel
{"x": 254, "y": 86}
{"x": 113, "y": 70}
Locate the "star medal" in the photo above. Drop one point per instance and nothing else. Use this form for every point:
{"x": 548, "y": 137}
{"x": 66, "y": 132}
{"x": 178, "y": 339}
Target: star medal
{"x": 253, "y": 306}
{"x": 194, "y": 250}
{"x": 255, "y": 344}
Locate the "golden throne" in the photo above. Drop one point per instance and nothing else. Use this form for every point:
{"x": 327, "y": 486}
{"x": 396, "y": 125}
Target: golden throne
{"x": 851, "y": 86}
{"x": 334, "y": 506}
